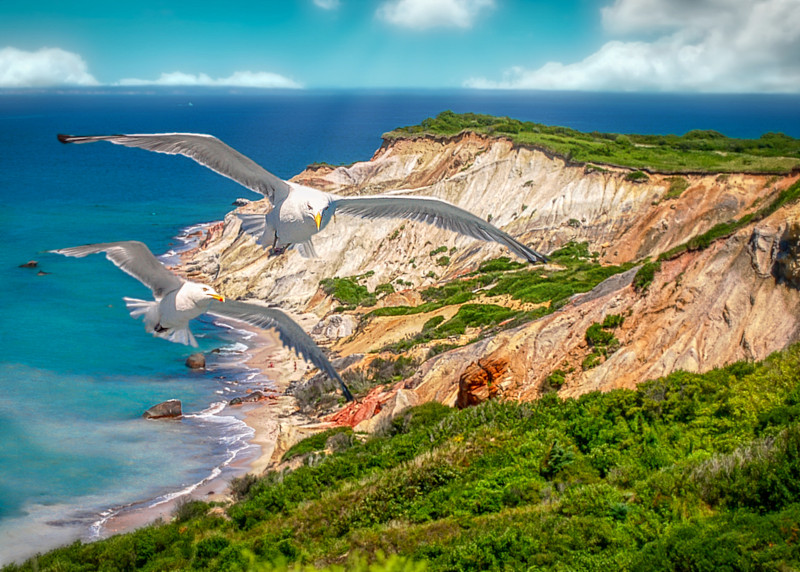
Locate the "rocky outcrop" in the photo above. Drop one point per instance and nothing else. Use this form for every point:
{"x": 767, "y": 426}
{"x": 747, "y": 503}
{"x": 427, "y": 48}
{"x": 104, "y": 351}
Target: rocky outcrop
{"x": 252, "y": 397}
{"x": 480, "y": 382}
{"x": 167, "y": 409}
{"x": 336, "y": 326}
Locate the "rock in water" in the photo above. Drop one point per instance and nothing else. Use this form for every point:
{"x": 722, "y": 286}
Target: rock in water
{"x": 196, "y": 361}
{"x": 170, "y": 408}
{"x": 29, "y": 264}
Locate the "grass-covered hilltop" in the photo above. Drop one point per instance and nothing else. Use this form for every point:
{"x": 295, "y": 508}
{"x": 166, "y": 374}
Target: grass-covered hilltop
{"x": 688, "y": 472}
{"x": 617, "y": 426}
{"x": 695, "y": 152}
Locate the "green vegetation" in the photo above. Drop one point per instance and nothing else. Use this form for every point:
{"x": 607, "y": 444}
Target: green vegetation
{"x": 725, "y": 229}
{"x": 348, "y": 291}
{"x": 676, "y": 187}
{"x": 314, "y": 443}
{"x": 443, "y": 260}
{"x": 468, "y": 316}
{"x": 439, "y": 250}
{"x": 688, "y": 472}
{"x": 645, "y": 275}
{"x": 601, "y": 340}
{"x": 695, "y": 151}
{"x": 637, "y": 177}
{"x": 522, "y": 282}
{"x": 555, "y": 380}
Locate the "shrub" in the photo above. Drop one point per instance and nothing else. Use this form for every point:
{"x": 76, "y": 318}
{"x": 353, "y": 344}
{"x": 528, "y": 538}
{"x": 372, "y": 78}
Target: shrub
{"x": 637, "y": 177}
{"x": 645, "y": 275}
{"x": 501, "y": 264}
{"x": 432, "y": 323}
{"x": 676, "y": 187}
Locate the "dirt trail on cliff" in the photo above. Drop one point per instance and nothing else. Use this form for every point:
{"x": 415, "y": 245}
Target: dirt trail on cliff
{"x": 737, "y": 299}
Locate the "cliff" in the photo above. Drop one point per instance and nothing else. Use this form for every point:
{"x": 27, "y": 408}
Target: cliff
{"x": 736, "y": 299}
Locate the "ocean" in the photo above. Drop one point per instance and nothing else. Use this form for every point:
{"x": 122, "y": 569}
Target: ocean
{"x": 76, "y": 372}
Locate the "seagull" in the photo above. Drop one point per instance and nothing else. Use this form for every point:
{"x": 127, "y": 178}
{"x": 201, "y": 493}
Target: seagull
{"x": 177, "y": 301}
{"x": 299, "y": 212}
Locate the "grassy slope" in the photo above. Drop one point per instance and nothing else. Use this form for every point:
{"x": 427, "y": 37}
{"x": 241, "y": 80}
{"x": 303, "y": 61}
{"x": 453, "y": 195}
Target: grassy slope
{"x": 689, "y": 472}
{"x": 694, "y": 152}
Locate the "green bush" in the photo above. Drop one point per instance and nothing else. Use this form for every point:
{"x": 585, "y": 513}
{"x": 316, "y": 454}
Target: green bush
{"x": 645, "y": 275}
{"x": 676, "y": 187}
{"x": 313, "y": 443}
{"x": 637, "y": 177}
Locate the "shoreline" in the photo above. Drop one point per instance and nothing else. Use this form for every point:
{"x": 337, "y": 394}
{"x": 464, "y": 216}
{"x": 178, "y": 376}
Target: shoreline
{"x": 267, "y": 419}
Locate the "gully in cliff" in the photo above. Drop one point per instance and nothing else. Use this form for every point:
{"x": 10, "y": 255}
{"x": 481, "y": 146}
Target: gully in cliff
{"x": 299, "y": 212}
{"x": 177, "y": 301}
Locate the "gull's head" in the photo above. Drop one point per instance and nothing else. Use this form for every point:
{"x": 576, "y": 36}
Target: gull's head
{"x": 205, "y": 293}
{"x": 317, "y": 208}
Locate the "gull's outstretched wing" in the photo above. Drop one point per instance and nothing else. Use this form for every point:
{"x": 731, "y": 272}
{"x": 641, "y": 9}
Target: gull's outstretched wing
{"x": 206, "y": 150}
{"x": 290, "y": 333}
{"x": 134, "y": 258}
{"x": 433, "y": 211}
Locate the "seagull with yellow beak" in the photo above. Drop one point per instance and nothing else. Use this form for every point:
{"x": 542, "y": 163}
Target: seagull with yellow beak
{"x": 177, "y": 301}
{"x": 299, "y": 212}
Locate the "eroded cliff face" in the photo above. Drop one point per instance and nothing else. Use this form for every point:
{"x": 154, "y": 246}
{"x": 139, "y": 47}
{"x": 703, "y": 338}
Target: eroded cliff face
{"x": 736, "y": 299}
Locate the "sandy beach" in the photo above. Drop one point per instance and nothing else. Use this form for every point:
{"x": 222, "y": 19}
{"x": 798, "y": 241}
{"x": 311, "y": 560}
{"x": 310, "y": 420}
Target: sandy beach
{"x": 272, "y": 420}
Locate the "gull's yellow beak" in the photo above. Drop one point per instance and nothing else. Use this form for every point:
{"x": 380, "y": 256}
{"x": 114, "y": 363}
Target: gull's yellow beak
{"x": 219, "y": 297}
{"x": 318, "y": 219}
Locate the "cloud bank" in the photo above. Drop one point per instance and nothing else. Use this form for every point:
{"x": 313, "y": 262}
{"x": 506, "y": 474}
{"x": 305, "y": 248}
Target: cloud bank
{"x": 237, "y": 79}
{"x": 425, "y": 14}
{"x": 699, "y": 45}
{"x": 47, "y": 67}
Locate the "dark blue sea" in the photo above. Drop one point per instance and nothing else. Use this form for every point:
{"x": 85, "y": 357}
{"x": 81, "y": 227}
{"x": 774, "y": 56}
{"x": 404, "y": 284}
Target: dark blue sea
{"x": 76, "y": 372}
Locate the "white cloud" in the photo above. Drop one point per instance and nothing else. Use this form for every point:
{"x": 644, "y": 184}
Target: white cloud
{"x": 700, "y": 45}
{"x": 47, "y": 67}
{"x": 237, "y": 79}
{"x": 424, "y": 14}
{"x": 327, "y": 4}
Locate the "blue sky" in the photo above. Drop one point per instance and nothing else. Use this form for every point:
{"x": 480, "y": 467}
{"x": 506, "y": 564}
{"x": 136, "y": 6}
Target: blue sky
{"x": 594, "y": 45}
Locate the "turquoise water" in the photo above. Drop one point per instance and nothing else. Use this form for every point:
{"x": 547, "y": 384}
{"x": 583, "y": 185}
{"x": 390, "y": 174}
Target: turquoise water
{"x": 76, "y": 372}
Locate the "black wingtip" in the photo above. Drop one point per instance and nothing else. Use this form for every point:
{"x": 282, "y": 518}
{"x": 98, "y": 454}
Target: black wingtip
{"x": 64, "y": 138}
{"x": 347, "y": 395}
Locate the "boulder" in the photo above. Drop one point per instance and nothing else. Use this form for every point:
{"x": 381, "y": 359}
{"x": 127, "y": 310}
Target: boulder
{"x": 170, "y": 408}
{"x": 29, "y": 264}
{"x": 196, "y": 361}
{"x": 336, "y": 326}
{"x": 249, "y": 398}
{"x": 240, "y": 202}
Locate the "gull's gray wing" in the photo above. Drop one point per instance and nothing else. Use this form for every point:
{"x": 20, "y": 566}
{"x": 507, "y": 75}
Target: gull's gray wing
{"x": 206, "y": 150}
{"x": 134, "y": 258}
{"x": 434, "y": 211}
{"x": 290, "y": 333}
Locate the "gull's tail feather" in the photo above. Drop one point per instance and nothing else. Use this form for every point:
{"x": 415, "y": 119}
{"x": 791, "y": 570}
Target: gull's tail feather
{"x": 183, "y": 336}
{"x": 257, "y": 226}
{"x": 306, "y": 249}
{"x": 146, "y": 308}
{"x": 149, "y": 310}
